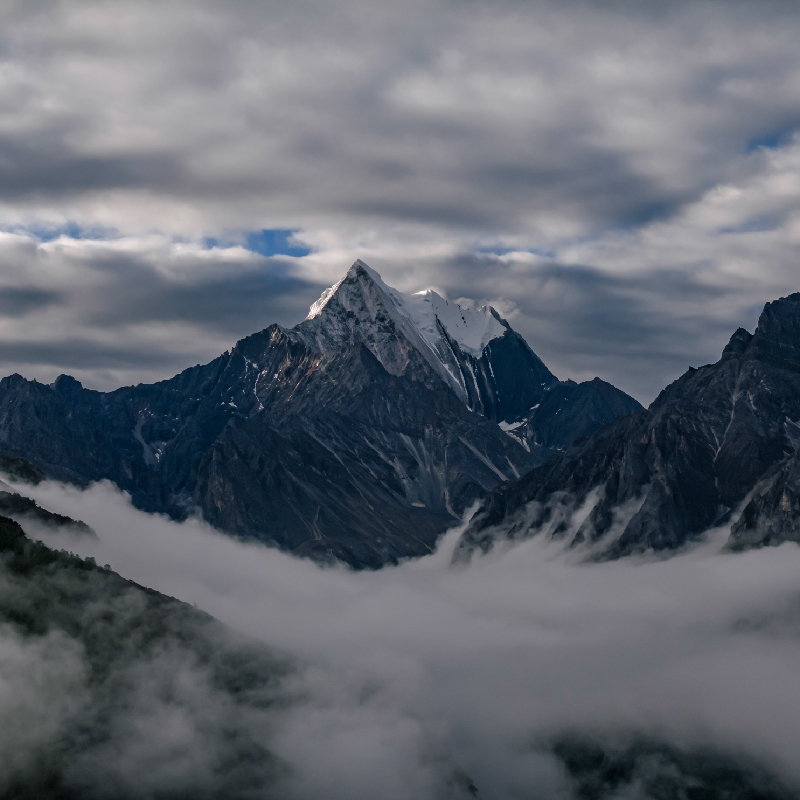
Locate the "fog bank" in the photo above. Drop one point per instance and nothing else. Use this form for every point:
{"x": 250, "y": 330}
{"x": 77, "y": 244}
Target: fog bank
{"x": 423, "y": 668}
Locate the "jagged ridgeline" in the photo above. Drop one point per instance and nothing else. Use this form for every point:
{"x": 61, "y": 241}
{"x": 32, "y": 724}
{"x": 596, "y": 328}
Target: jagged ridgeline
{"x": 719, "y": 446}
{"x": 361, "y": 434}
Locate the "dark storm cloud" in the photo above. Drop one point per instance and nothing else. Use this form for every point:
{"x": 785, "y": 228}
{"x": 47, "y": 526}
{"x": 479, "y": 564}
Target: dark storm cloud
{"x": 84, "y": 354}
{"x": 235, "y": 303}
{"x": 608, "y": 191}
{"x": 44, "y": 167}
{"x": 19, "y": 301}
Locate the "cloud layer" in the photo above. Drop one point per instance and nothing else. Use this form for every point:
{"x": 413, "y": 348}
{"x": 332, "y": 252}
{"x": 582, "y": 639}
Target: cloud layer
{"x": 415, "y": 669}
{"x": 633, "y": 163}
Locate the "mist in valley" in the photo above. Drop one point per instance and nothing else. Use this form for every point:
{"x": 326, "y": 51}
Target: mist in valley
{"x": 503, "y": 676}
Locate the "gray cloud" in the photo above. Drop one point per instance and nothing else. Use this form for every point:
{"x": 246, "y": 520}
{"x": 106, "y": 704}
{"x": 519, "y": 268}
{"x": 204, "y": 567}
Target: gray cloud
{"x": 510, "y": 109}
{"x": 19, "y": 301}
{"x": 411, "y": 137}
{"x": 125, "y": 311}
{"x": 43, "y": 167}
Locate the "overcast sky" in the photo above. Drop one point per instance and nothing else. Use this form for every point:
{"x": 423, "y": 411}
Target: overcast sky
{"x": 620, "y": 179}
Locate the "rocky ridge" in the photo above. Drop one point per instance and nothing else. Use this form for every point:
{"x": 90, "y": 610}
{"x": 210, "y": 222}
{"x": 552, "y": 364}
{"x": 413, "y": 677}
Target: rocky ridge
{"x": 717, "y": 446}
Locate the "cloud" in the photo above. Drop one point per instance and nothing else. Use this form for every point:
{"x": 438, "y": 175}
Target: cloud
{"x": 501, "y": 117}
{"x": 603, "y": 138}
{"x": 127, "y": 310}
{"x": 419, "y": 669}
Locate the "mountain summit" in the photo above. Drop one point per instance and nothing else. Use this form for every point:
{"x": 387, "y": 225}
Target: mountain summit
{"x": 361, "y": 434}
{"x": 485, "y": 363}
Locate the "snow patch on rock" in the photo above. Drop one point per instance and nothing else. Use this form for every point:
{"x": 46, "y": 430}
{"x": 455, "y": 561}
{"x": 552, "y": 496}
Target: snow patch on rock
{"x": 361, "y": 306}
{"x": 473, "y": 330}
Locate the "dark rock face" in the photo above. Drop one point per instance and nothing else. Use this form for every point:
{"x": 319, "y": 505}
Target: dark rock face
{"x": 569, "y": 411}
{"x": 362, "y": 434}
{"x": 659, "y": 479}
{"x": 772, "y": 515}
{"x": 509, "y": 378}
{"x": 355, "y": 463}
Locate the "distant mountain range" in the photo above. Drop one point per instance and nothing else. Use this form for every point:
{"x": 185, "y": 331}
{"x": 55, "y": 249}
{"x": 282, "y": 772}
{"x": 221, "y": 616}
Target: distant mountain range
{"x": 361, "y": 434}
{"x": 719, "y": 446}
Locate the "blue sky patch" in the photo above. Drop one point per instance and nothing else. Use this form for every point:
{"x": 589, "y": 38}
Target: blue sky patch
{"x": 267, "y": 242}
{"x": 274, "y": 242}
{"x": 770, "y": 140}
{"x": 72, "y": 230}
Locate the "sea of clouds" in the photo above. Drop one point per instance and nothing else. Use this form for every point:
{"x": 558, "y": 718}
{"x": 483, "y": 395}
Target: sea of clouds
{"x": 413, "y": 680}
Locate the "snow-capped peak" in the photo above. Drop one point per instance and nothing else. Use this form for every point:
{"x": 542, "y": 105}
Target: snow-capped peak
{"x": 324, "y": 298}
{"x": 473, "y": 330}
{"x": 361, "y": 306}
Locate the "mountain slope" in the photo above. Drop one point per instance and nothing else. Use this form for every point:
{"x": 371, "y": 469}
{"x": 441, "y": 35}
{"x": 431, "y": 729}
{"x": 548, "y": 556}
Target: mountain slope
{"x": 326, "y": 454}
{"x": 113, "y": 690}
{"x": 659, "y": 479}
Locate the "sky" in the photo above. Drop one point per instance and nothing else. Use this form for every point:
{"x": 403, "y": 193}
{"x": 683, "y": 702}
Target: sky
{"x": 620, "y": 179}
{"x": 403, "y": 674}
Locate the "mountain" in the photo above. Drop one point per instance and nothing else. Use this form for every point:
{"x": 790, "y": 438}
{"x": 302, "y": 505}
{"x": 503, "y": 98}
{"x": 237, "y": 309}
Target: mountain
{"x": 361, "y": 434}
{"x": 717, "y": 446}
{"x": 485, "y": 363}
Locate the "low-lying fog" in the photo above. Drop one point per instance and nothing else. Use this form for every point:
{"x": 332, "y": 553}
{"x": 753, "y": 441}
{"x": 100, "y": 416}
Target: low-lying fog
{"x": 483, "y": 664}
